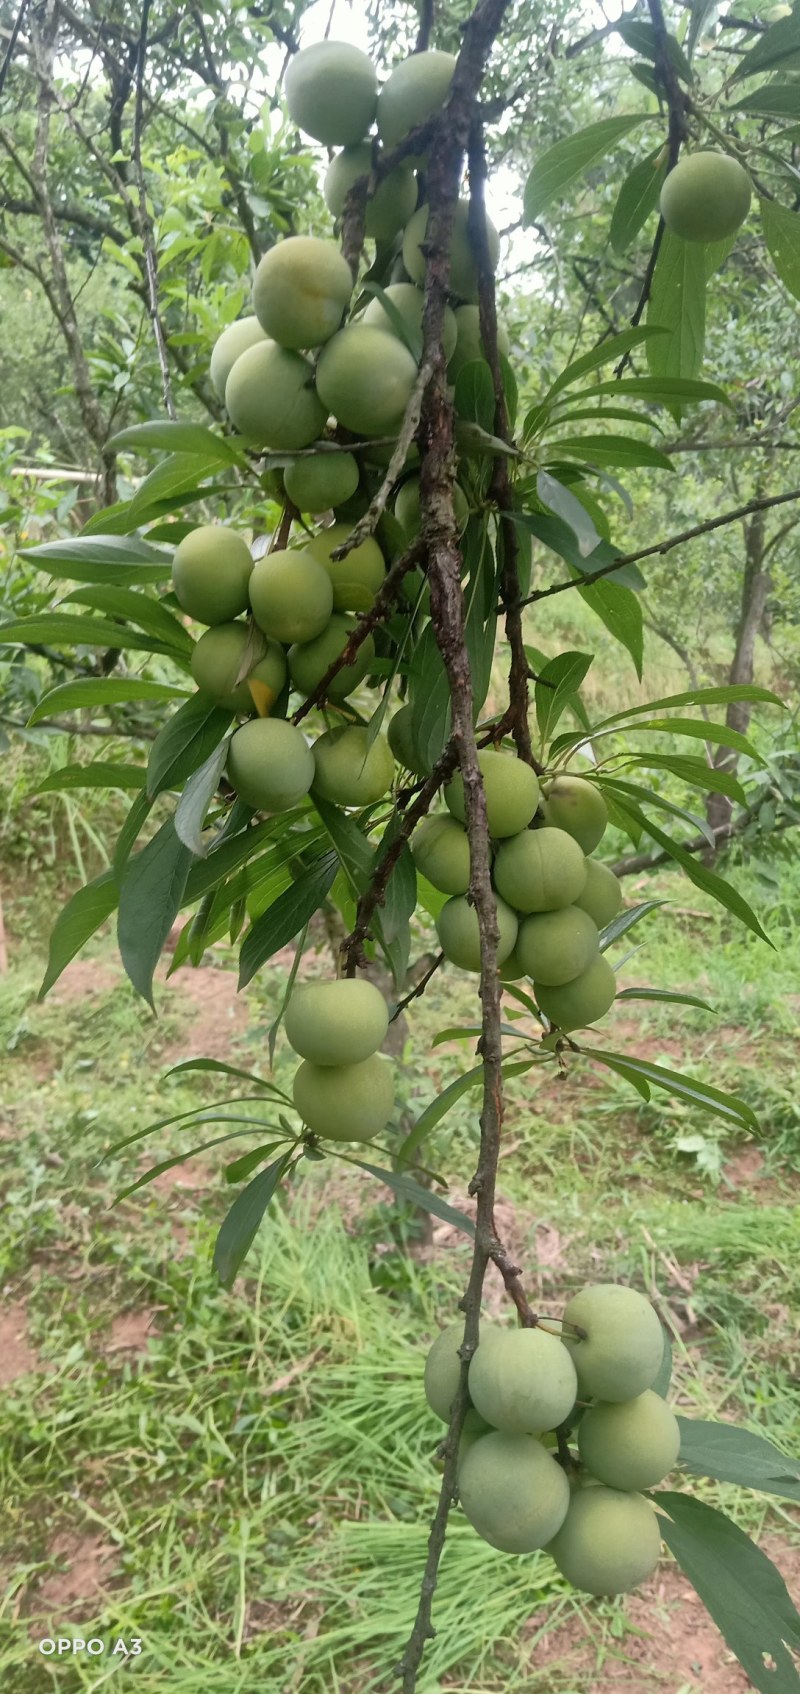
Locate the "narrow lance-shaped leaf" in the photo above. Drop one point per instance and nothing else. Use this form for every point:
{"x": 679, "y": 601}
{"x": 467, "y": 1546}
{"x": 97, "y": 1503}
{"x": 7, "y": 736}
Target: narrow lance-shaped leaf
{"x": 241, "y": 1225}
{"x": 406, "y": 1188}
{"x": 677, "y": 304}
{"x": 708, "y": 880}
{"x": 637, "y": 198}
{"x": 567, "y": 160}
{"x": 567, "y": 506}
{"x": 190, "y": 813}
{"x": 738, "y": 1455}
{"x": 687, "y": 1088}
{"x": 619, "y": 609}
{"x": 779, "y": 43}
{"x": 722, "y": 696}
{"x": 99, "y": 774}
{"x": 184, "y": 743}
{"x": 149, "y": 902}
{"x": 556, "y": 685}
{"x": 101, "y": 692}
{"x": 176, "y": 438}
{"x": 284, "y": 919}
{"x": 782, "y": 235}
{"x": 606, "y": 353}
{"x": 76, "y": 922}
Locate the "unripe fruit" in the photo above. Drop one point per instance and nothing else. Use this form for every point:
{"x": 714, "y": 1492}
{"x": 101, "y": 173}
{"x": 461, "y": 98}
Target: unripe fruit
{"x": 336, "y": 1023}
{"x": 601, "y": 895}
{"x": 409, "y": 300}
{"x": 469, "y": 344}
{"x": 440, "y": 847}
{"x": 540, "y": 870}
{"x": 345, "y": 1102}
{"x": 514, "y": 1493}
{"x": 217, "y": 660}
{"x": 575, "y": 805}
{"x": 609, "y": 1542}
{"x": 390, "y": 206}
{"x": 522, "y": 1380}
{"x": 463, "y": 269}
{"x": 270, "y": 398}
{"x": 632, "y": 1444}
{"x": 473, "y": 1429}
{"x": 211, "y": 572}
{"x": 331, "y": 91}
{"x": 624, "y": 1345}
{"x": 234, "y": 340}
{"x": 309, "y": 661}
{"x": 416, "y": 89}
{"x": 348, "y": 771}
{"x": 400, "y": 740}
{"x": 270, "y": 764}
{"x": 301, "y": 290}
{"x": 407, "y": 507}
{"x": 365, "y": 377}
{"x": 706, "y": 197}
{"x": 511, "y": 788}
{"x": 443, "y": 1370}
{"x": 291, "y": 595}
{"x": 511, "y": 970}
{"x": 357, "y": 577}
{"x": 316, "y": 484}
{"x": 555, "y": 947}
{"x": 581, "y": 1002}
{"x": 459, "y": 937}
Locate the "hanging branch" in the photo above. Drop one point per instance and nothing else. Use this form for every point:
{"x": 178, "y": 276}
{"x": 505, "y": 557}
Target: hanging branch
{"x": 145, "y": 221}
{"x": 382, "y": 605}
{"x": 367, "y": 525}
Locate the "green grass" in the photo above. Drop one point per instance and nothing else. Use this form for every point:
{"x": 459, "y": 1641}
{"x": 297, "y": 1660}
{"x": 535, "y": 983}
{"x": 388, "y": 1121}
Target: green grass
{"x": 264, "y": 1467}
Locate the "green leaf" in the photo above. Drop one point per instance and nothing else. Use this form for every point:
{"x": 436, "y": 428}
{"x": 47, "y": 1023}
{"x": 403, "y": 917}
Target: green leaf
{"x": 179, "y": 474}
{"x": 739, "y": 1586}
{"x": 193, "y": 439}
{"x": 147, "y": 614}
{"x": 640, "y": 36}
{"x": 101, "y": 692}
{"x": 474, "y": 394}
{"x": 76, "y": 922}
{"x": 626, "y": 920}
{"x": 102, "y": 558}
{"x": 710, "y": 882}
{"x": 606, "y": 352}
{"x": 404, "y": 330}
{"x": 736, "y": 1455}
{"x": 241, "y": 1225}
{"x": 356, "y": 855}
{"x": 429, "y": 694}
{"x": 776, "y": 99}
{"x": 665, "y": 994}
{"x": 437, "y": 1110}
{"x": 557, "y": 535}
{"x": 780, "y": 43}
{"x": 220, "y": 1068}
{"x": 698, "y": 1094}
{"x": 406, "y": 1188}
{"x": 282, "y": 921}
{"x": 556, "y": 686}
{"x": 241, "y": 1168}
{"x": 184, "y": 743}
{"x": 620, "y": 611}
{"x": 149, "y": 902}
{"x": 97, "y": 775}
{"x": 567, "y": 160}
{"x": 190, "y": 813}
{"x": 660, "y": 390}
{"x": 611, "y": 450}
{"x": 649, "y": 797}
{"x": 177, "y": 1159}
{"x": 72, "y": 630}
{"x": 722, "y": 696}
{"x": 637, "y": 198}
{"x": 137, "y": 816}
{"x": 782, "y": 236}
{"x": 568, "y": 508}
{"x": 678, "y": 304}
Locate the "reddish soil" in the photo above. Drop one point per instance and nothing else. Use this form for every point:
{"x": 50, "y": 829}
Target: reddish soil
{"x": 131, "y": 1331}
{"x": 17, "y": 1357}
{"x": 218, "y": 1014}
{"x": 85, "y": 977}
{"x": 86, "y": 1565}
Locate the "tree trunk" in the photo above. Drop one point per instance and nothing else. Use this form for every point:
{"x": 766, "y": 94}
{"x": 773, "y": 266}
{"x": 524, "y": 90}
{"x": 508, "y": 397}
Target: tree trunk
{"x": 756, "y": 585}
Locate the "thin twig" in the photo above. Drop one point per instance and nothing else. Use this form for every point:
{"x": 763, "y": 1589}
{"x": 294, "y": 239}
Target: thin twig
{"x": 145, "y": 222}
{"x": 367, "y": 525}
{"x": 382, "y": 605}
{"x": 420, "y": 988}
{"x": 12, "y": 42}
{"x": 425, "y": 32}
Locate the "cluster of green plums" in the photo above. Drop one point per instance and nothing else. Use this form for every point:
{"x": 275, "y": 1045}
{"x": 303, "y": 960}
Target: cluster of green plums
{"x": 344, "y": 1089}
{"x": 551, "y": 899}
{"x": 589, "y": 1513}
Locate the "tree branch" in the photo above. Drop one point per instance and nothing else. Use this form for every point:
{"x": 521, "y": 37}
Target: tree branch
{"x": 145, "y": 221}
{"x": 384, "y": 600}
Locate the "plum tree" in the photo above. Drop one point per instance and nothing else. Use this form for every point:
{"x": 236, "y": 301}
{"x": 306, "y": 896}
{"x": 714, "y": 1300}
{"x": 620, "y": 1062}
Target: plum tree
{"x": 348, "y": 770}
{"x": 601, "y": 895}
{"x": 623, "y": 1347}
{"x": 301, "y": 290}
{"x": 270, "y": 398}
{"x": 511, "y": 789}
{"x": 573, "y": 804}
{"x": 211, "y": 571}
{"x": 468, "y": 340}
{"x": 630, "y": 1444}
{"x": 234, "y": 340}
{"x": 440, "y": 847}
{"x": 400, "y": 739}
{"x": 573, "y": 1005}
{"x": 270, "y": 764}
{"x": 555, "y": 947}
{"x": 355, "y": 579}
{"x": 291, "y": 595}
{"x": 540, "y": 870}
{"x": 310, "y": 660}
{"x": 336, "y": 1023}
{"x": 443, "y": 1370}
{"x": 459, "y": 937}
{"x": 609, "y": 1541}
{"x": 323, "y": 480}
{"x": 408, "y": 301}
{"x": 522, "y": 1381}
{"x": 463, "y": 268}
{"x": 407, "y": 507}
{"x": 706, "y": 197}
{"x": 346, "y": 379}
{"x": 331, "y": 91}
{"x": 345, "y": 1102}
{"x": 514, "y": 1493}
{"x": 388, "y": 209}
{"x": 416, "y": 89}
{"x": 217, "y": 661}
